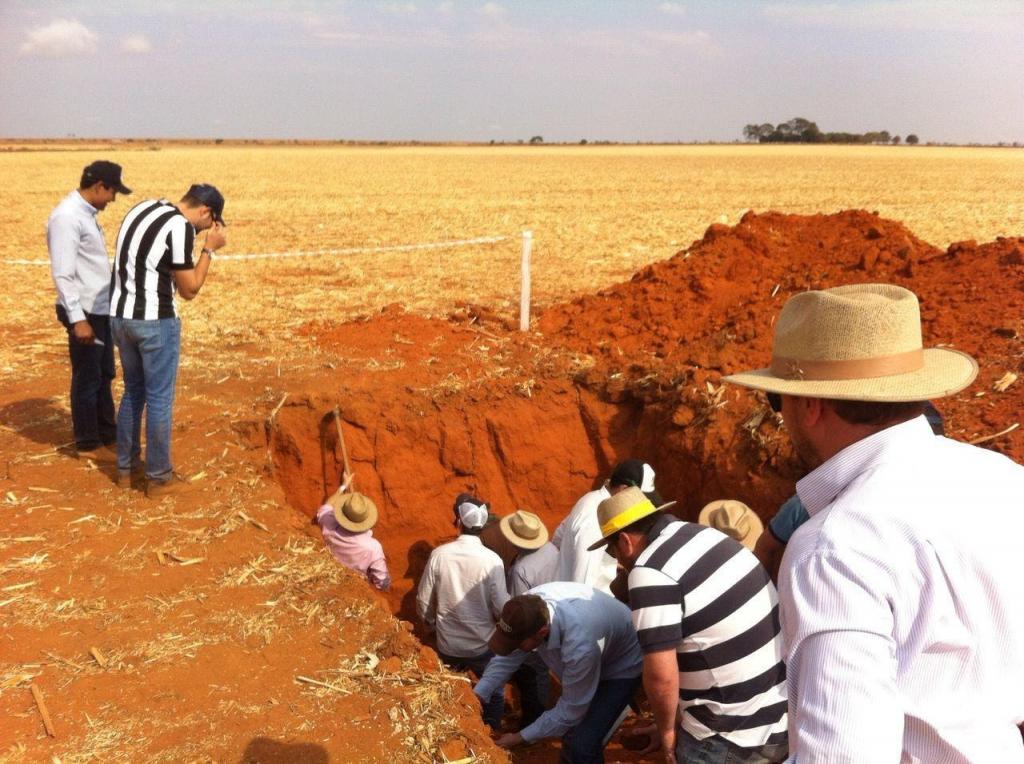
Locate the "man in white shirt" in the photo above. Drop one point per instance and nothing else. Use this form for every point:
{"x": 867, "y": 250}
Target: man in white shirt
{"x": 580, "y": 529}
{"x": 901, "y": 595}
{"x": 461, "y": 595}
{"x": 81, "y": 273}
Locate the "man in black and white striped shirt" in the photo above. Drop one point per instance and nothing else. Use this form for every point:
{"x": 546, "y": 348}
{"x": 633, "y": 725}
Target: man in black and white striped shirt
{"x": 706, "y": 615}
{"x": 153, "y": 262}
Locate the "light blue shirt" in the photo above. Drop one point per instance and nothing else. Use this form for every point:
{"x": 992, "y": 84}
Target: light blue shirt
{"x": 78, "y": 258}
{"x": 592, "y": 639}
{"x": 790, "y": 516}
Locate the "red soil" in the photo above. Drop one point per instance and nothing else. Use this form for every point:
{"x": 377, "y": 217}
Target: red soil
{"x": 534, "y": 420}
{"x": 431, "y": 407}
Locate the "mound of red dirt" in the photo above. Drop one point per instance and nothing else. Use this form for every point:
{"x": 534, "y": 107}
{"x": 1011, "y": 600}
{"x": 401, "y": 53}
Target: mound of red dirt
{"x": 436, "y": 406}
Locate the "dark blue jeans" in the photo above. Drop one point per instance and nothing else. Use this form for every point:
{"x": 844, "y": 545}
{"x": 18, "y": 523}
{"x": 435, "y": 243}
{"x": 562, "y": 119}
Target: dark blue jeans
{"x": 718, "y": 750}
{"x": 149, "y": 363}
{"x": 584, "y": 744}
{"x": 534, "y": 685}
{"x": 92, "y": 371}
{"x": 495, "y": 706}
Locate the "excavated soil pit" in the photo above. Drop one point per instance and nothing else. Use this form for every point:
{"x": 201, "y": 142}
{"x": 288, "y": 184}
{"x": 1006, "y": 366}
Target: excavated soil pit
{"x": 435, "y": 406}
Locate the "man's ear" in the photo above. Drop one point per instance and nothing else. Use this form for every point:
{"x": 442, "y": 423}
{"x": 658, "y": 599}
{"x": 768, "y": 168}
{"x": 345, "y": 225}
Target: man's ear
{"x": 544, "y": 631}
{"x": 809, "y": 410}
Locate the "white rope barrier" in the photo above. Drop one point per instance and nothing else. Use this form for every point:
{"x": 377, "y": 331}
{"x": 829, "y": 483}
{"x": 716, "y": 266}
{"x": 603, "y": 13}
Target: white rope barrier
{"x": 323, "y": 252}
{"x": 524, "y": 289}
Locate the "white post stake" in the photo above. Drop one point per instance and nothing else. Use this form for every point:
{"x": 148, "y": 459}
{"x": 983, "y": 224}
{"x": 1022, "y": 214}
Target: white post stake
{"x": 524, "y": 292}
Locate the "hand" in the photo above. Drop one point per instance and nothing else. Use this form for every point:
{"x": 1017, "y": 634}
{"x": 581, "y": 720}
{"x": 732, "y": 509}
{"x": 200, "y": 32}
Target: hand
{"x": 509, "y": 740}
{"x": 215, "y": 237}
{"x": 346, "y": 481}
{"x": 83, "y": 333}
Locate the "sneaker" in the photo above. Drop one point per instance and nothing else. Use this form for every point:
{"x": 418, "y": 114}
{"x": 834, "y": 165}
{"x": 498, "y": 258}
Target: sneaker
{"x": 175, "y": 484}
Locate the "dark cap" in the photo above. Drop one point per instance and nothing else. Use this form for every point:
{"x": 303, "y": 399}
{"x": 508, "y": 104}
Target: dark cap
{"x": 634, "y": 473}
{"x": 206, "y": 194}
{"x": 107, "y": 173}
{"x": 521, "y": 618}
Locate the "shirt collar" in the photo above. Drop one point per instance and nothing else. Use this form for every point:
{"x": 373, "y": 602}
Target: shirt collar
{"x": 469, "y": 538}
{"x": 555, "y": 635}
{"x": 84, "y": 204}
{"x": 820, "y": 487}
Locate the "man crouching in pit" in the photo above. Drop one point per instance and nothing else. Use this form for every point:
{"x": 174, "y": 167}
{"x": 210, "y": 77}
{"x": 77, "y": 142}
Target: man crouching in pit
{"x": 586, "y": 638}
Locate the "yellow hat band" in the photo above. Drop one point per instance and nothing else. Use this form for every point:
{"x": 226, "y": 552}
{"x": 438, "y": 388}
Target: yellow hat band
{"x": 628, "y": 517}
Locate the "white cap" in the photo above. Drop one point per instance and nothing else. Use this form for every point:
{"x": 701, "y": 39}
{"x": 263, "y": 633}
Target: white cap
{"x": 472, "y": 515}
{"x": 647, "y": 484}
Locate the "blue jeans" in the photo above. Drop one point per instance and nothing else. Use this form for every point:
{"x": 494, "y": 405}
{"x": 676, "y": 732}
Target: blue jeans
{"x": 584, "y": 744}
{"x": 149, "y": 364}
{"x": 495, "y": 706}
{"x": 718, "y": 750}
{"x": 92, "y": 371}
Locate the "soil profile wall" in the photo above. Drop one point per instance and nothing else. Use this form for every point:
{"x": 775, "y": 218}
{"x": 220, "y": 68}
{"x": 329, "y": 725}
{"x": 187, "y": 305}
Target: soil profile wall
{"x": 432, "y": 407}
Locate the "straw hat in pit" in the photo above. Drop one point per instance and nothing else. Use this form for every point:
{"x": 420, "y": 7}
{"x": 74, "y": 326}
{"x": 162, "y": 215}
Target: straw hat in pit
{"x": 733, "y": 518}
{"x": 524, "y": 530}
{"x": 860, "y": 342}
{"x": 353, "y": 511}
{"x": 622, "y": 510}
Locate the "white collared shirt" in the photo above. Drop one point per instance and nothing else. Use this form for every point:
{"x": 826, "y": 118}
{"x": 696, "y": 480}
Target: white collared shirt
{"x": 578, "y": 531}
{"x": 78, "y": 258}
{"x": 461, "y": 595}
{"x": 902, "y": 604}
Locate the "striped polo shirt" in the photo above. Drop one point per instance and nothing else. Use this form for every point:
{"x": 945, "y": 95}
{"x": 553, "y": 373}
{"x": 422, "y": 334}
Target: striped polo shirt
{"x": 155, "y": 239}
{"x": 697, "y": 590}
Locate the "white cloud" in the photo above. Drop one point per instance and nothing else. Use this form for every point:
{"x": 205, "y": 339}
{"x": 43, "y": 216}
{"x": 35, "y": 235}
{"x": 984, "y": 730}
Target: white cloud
{"x": 672, "y": 9}
{"x": 492, "y": 9}
{"x": 136, "y": 43}
{"x": 60, "y": 38}
{"x": 399, "y": 9}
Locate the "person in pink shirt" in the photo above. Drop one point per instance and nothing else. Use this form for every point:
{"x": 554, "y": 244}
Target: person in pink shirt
{"x": 345, "y": 521}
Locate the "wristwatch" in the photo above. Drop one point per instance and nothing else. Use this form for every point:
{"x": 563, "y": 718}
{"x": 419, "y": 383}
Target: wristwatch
{"x": 208, "y": 253}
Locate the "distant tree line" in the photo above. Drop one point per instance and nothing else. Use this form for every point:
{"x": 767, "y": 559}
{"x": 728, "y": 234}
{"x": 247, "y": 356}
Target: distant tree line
{"x": 800, "y": 130}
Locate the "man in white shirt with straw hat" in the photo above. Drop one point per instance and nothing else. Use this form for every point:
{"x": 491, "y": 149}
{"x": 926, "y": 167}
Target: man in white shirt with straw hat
{"x": 901, "y": 613}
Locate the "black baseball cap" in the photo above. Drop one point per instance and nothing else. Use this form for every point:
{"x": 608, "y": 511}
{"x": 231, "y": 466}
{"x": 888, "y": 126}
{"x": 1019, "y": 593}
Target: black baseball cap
{"x": 107, "y": 173}
{"x": 206, "y": 194}
{"x": 635, "y": 473}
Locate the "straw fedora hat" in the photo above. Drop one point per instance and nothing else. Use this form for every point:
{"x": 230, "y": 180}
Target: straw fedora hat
{"x": 860, "y": 342}
{"x": 733, "y": 518}
{"x": 622, "y": 510}
{"x": 353, "y": 511}
{"x": 524, "y": 530}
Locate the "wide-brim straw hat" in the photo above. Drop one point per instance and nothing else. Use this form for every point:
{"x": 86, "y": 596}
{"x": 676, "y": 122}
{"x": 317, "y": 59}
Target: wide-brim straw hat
{"x": 733, "y": 518}
{"x": 524, "y": 530}
{"x": 622, "y": 510}
{"x": 354, "y": 511}
{"x": 860, "y": 342}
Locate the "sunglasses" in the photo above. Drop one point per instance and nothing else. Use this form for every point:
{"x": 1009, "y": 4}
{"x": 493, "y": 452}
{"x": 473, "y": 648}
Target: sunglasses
{"x": 775, "y": 401}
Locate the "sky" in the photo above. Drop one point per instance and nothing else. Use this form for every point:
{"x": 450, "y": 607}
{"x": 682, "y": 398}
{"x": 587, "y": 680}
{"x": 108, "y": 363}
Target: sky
{"x": 507, "y": 70}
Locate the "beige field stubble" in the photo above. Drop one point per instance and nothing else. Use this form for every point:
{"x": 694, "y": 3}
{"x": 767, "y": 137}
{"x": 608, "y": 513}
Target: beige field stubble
{"x": 598, "y": 214}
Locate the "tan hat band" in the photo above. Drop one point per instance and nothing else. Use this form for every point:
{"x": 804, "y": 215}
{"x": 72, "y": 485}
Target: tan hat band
{"x": 857, "y": 368}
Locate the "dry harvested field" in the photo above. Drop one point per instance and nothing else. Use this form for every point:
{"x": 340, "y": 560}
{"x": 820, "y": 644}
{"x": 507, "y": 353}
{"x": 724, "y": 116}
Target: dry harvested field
{"x": 597, "y": 213}
{"x": 213, "y": 626}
